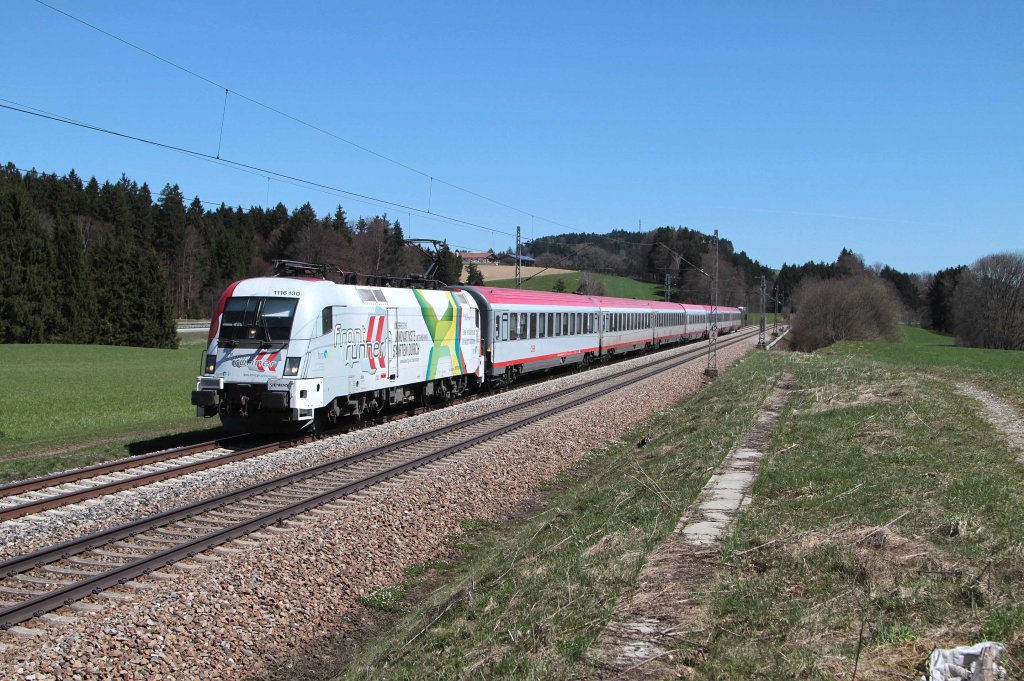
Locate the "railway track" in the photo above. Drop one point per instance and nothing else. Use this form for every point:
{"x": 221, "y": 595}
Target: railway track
{"x": 57, "y": 576}
{"x": 62, "y": 489}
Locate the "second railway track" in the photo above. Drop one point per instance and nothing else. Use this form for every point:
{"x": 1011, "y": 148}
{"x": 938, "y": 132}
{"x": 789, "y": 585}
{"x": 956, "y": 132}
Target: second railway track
{"x": 48, "y": 579}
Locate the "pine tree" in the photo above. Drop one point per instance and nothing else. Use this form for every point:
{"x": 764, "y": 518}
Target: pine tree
{"x": 26, "y": 262}
{"x": 169, "y": 240}
{"x": 74, "y": 297}
{"x": 449, "y": 265}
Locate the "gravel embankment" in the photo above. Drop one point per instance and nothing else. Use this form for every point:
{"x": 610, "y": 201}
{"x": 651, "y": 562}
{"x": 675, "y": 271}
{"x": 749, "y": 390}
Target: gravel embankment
{"x": 276, "y": 593}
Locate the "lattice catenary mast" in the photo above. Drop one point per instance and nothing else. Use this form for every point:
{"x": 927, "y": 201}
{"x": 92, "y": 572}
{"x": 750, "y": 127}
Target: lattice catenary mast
{"x": 761, "y": 340}
{"x": 712, "y": 370}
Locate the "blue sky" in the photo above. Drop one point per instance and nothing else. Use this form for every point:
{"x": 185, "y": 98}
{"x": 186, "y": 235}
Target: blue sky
{"x": 892, "y": 128}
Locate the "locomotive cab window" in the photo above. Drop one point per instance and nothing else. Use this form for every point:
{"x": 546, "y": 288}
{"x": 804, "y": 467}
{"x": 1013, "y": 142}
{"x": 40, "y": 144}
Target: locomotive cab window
{"x": 263, "y": 320}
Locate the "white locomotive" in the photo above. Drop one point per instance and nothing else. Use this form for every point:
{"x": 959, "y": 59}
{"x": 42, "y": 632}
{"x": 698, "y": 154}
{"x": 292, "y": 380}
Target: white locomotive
{"x": 291, "y": 351}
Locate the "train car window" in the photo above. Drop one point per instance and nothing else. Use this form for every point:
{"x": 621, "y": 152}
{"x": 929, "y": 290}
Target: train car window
{"x": 572, "y": 324}
{"x": 513, "y": 326}
{"x": 497, "y": 326}
{"x": 533, "y": 325}
{"x": 558, "y": 324}
{"x": 551, "y": 324}
{"x": 523, "y": 330}
{"x": 565, "y": 323}
{"x": 542, "y": 325}
{"x": 586, "y": 323}
{"x": 504, "y": 326}
{"x": 326, "y": 321}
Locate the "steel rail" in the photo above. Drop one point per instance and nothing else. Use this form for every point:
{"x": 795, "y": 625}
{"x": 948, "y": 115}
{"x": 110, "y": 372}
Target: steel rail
{"x": 93, "y": 491}
{"x": 59, "y": 500}
{"x": 74, "y": 546}
{"x": 95, "y": 470}
{"x": 120, "y": 574}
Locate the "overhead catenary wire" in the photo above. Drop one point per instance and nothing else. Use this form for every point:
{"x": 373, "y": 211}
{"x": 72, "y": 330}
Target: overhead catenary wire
{"x": 253, "y": 169}
{"x": 295, "y": 119}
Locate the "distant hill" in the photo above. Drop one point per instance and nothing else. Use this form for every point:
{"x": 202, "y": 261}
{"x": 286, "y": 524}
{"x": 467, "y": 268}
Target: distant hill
{"x": 685, "y": 256}
{"x": 620, "y": 287}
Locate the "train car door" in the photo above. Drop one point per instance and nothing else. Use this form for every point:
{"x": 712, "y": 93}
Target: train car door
{"x": 392, "y": 342}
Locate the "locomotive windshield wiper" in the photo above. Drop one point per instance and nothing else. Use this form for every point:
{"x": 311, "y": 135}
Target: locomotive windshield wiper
{"x": 262, "y": 320}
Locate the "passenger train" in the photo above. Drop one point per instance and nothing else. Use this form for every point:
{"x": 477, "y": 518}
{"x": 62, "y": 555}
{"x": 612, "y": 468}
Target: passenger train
{"x": 296, "y": 352}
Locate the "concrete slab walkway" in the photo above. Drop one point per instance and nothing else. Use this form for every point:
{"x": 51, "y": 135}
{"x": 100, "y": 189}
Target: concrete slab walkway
{"x": 639, "y": 641}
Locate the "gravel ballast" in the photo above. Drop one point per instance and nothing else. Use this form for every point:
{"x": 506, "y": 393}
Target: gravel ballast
{"x": 228, "y": 612}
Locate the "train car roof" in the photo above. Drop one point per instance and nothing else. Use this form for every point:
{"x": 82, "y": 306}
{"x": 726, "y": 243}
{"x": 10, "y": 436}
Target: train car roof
{"x": 515, "y": 296}
{"x": 608, "y": 301}
{"x": 707, "y": 308}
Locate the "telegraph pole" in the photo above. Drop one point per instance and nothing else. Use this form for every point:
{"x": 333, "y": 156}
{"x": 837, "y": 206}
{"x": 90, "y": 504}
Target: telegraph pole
{"x": 519, "y": 258}
{"x": 761, "y": 340}
{"x": 712, "y": 370}
{"x": 668, "y": 287}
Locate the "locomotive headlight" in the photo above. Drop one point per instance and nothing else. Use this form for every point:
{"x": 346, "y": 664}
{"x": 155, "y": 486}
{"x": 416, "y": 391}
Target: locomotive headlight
{"x": 291, "y": 366}
{"x": 211, "y": 364}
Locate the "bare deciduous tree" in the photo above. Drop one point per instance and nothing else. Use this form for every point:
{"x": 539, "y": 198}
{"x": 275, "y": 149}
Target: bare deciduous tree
{"x": 851, "y": 308}
{"x": 988, "y": 304}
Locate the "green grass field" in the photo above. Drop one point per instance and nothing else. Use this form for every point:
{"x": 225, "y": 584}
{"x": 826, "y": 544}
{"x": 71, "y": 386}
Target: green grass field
{"x": 1000, "y": 371}
{"x": 89, "y": 401}
{"x": 890, "y": 525}
{"x": 620, "y": 287}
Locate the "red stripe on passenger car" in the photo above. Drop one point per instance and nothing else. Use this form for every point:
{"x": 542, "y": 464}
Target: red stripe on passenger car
{"x": 527, "y": 360}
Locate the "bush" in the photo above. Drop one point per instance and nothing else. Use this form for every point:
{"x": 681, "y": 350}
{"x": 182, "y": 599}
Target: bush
{"x": 859, "y": 307}
{"x": 988, "y": 304}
